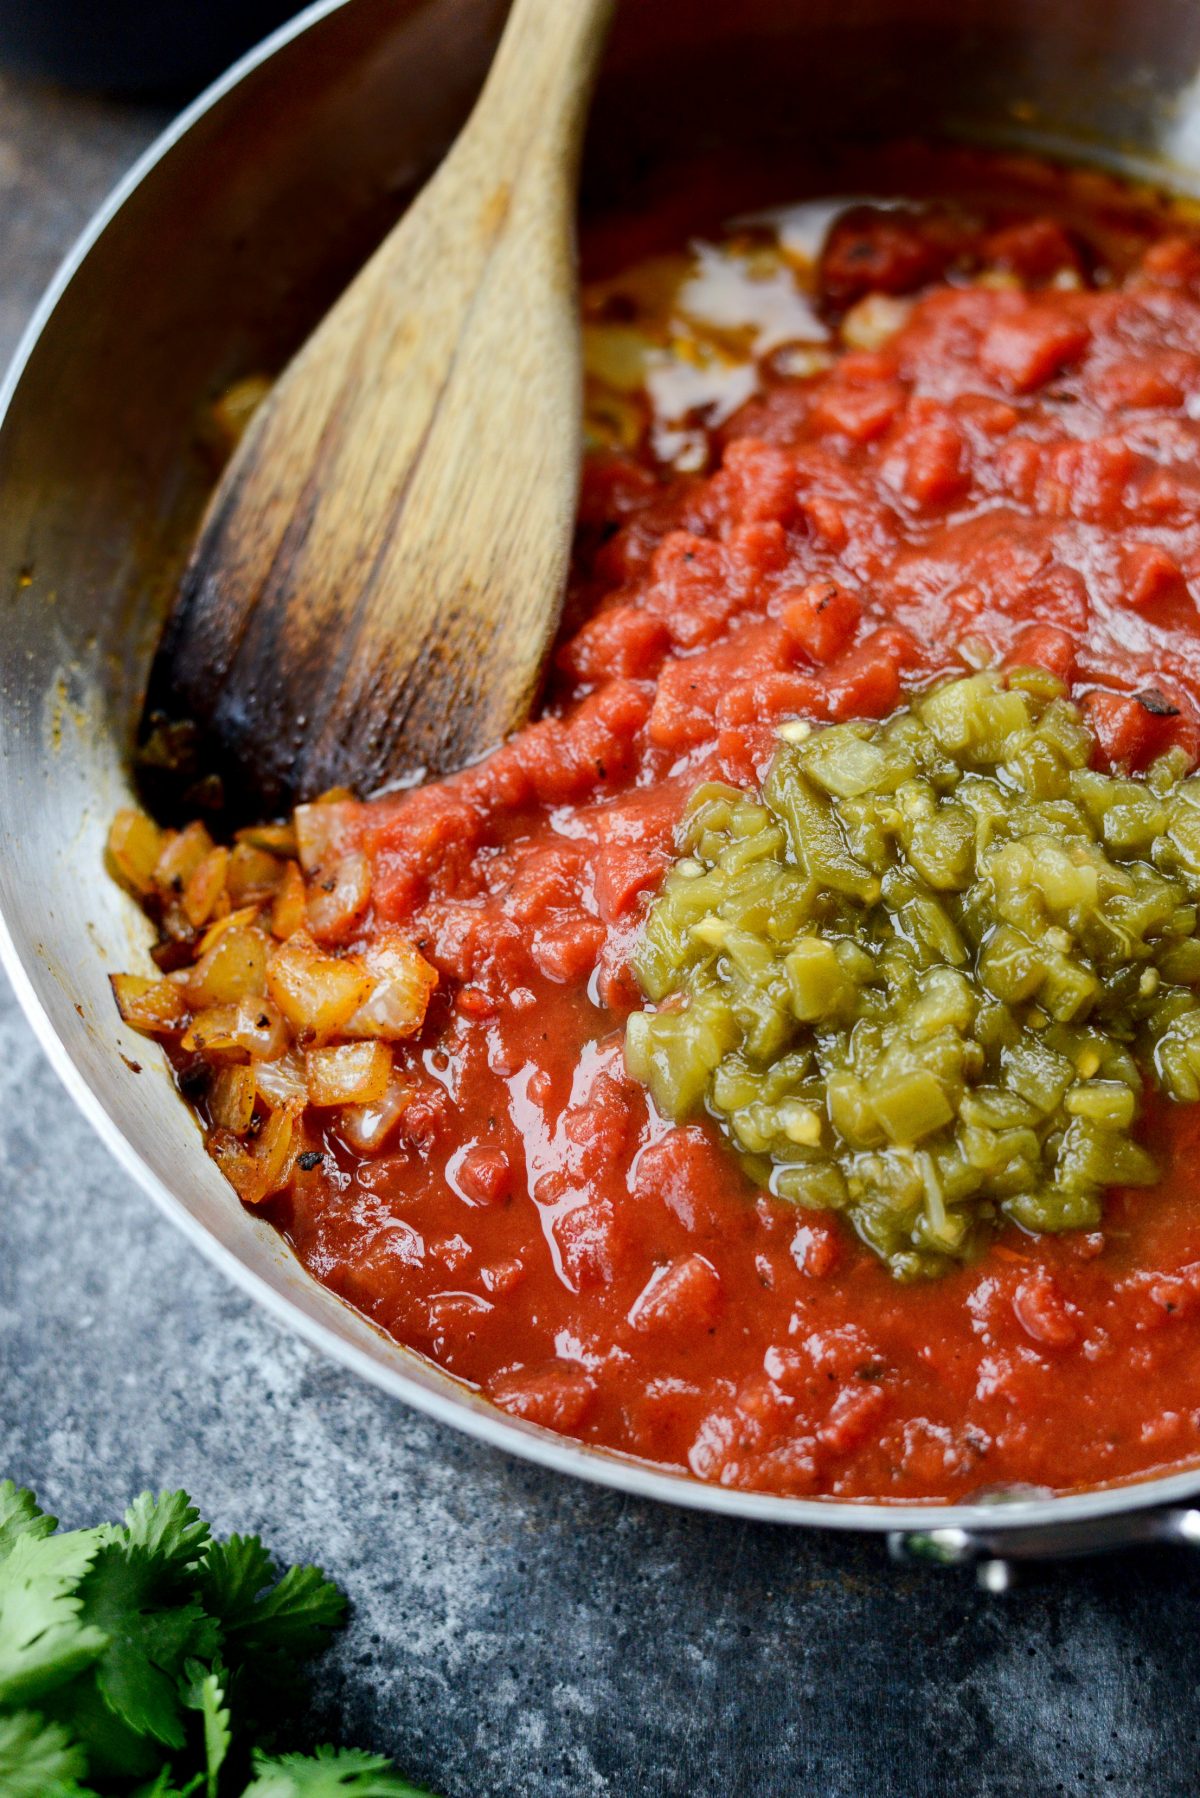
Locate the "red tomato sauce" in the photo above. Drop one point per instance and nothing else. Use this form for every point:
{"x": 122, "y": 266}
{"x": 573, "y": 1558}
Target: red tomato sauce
{"x": 1014, "y": 474}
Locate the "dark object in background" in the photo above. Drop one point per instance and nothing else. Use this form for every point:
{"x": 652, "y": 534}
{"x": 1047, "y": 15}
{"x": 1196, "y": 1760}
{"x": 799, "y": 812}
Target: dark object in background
{"x": 143, "y": 47}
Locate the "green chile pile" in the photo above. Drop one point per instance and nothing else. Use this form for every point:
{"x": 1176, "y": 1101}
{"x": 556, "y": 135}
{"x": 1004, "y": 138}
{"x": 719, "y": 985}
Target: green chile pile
{"x": 918, "y": 980}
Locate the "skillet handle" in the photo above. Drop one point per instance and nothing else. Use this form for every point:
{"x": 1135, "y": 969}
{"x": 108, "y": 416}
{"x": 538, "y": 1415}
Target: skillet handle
{"x": 995, "y": 1554}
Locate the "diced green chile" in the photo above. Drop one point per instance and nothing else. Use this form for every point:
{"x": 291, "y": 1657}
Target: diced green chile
{"x": 922, "y": 978}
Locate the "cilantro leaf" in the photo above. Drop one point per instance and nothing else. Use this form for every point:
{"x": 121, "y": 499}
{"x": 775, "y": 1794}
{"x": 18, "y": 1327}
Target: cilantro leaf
{"x": 20, "y": 1516}
{"x": 128, "y": 1594}
{"x": 44, "y": 1639}
{"x": 38, "y": 1759}
{"x": 169, "y": 1528}
{"x": 141, "y": 1643}
{"x": 204, "y": 1692}
{"x": 163, "y": 1786}
{"x": 285, "y": 1620}
{"x": 232, "y": 1575}
{"x": 293, "y": 1618}
{"x": 114, "y": 1751}
{"x": 329, "y": 1773}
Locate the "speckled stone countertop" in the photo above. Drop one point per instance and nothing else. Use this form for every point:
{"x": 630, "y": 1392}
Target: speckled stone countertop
{"x": 515, "y": 1635}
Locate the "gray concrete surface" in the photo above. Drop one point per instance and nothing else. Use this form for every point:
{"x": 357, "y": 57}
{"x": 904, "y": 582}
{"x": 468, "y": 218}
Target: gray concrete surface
{"x": 513, "y": 1635}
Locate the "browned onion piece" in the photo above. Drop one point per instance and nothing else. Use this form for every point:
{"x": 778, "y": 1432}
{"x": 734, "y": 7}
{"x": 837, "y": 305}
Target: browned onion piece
{"x": 337, "y": 901}
{"x": 402, "y": 981}
{"x": 317, "y": 993}
{"x": 155, "y": 1007}
{"x": 252, "y": 1027}
{"x": 350, "y": 1074}
{"x": 231, "y": 1098}
{"x": 366, "y": 1128}
{"x": 234, "y": 968}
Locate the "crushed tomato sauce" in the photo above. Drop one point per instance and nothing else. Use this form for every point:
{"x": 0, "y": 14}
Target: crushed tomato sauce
{"x": 1014, "y": 473}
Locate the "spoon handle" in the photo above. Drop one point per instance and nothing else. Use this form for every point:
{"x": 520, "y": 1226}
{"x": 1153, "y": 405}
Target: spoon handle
{"x": 540, "y": 82}
{"x": 379, "y": 577}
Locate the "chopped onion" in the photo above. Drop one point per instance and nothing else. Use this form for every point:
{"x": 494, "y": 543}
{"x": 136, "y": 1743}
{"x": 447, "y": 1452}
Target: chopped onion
{"x": 326, "y": 831}
{"x": 281, "y": 1081}
{"x": 135, "y": 844}
{"x": 234, "y": 968}
{"x": 289, "y": 911}
{"x": 231, "y": 921}
{"x": 183, "y": 851}
{"x": 366, "y": 1128}
{"x": 874, "y": 319}
{"x": 351, "y": 1074}
{"x": 402, "y": 981}
{"x": 252, "y": 1027}
{"x": 268, "y": 1014}
{"x": 205, "y": 886}
{"x": 337, "y": 901}
{"x": 316, "y": 992}
{"x": 276, "y": 839}
{"x": 252, "y": 873}
{"x": 155, "y": 1007}
{"x": 263, "y": 1168}
{"x": 231, "y": 1098}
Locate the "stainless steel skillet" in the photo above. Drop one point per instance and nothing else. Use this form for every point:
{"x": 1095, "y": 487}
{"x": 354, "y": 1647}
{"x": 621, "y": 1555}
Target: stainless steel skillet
{"x": 212, "y": 260}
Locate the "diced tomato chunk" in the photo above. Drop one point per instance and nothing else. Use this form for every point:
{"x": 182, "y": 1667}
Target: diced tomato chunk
{"x": 756, "y": 552}
{"x": 568, "y": 950}
{"x": 412, "y": 840}
{"x": 1123, "y": 728}
{"x": 545, "y": 880}
{"x": 826, "y": 520}
{"x": 484, "y": 1175}
{"x": 994, "y": 417}
{"x": 635, "y": 837}
{"x": 770, "y": 697}
{"x": 1141, "y": 382}
{"x": 689, "y": 589}
{"x": 623, "y": 871}
{"x": 477, "y": 945}
{"x": 566, "y": 759}
{"x": 821, "y": 619}
{"x": 1043, "y": 1313}
{"x": 854, "y": 1415}
{"x": 1152, "y": 576}
{"x": 683, "y": 1296}
{"x": 690, "y": 690}
{"x": 621, "y": 640}
{"x": 501, "y": 1278}
{"x": 473, "y": 1002}
{"x": 1034, "y": 249}
{"x": 815, "y": 1249}
{"x": 862, "y": 412}
{"x": 557, "y": 1396}
{"x": 677, "y": 1172}
{"x": 1092, "y": 478}
{"x": 1024, "y": 348}
{"x": 935, "y": 466}
{"x": 598, "y": 1127}
{"x": 870, "y": 250}
{"x": 1044, "y": 646}
{"x": 757, "y": 481}
{"x": 1132, "y": 729}
{"x": 589, "y": 1238}
{"x": 865, "y": 683}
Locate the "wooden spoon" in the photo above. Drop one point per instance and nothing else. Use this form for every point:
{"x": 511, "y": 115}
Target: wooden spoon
{"x": 379, "y": 575}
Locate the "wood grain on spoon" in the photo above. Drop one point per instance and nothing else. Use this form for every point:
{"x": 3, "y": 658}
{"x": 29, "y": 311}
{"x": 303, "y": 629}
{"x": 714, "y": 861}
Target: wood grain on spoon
{"x": 379, "y": 575}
